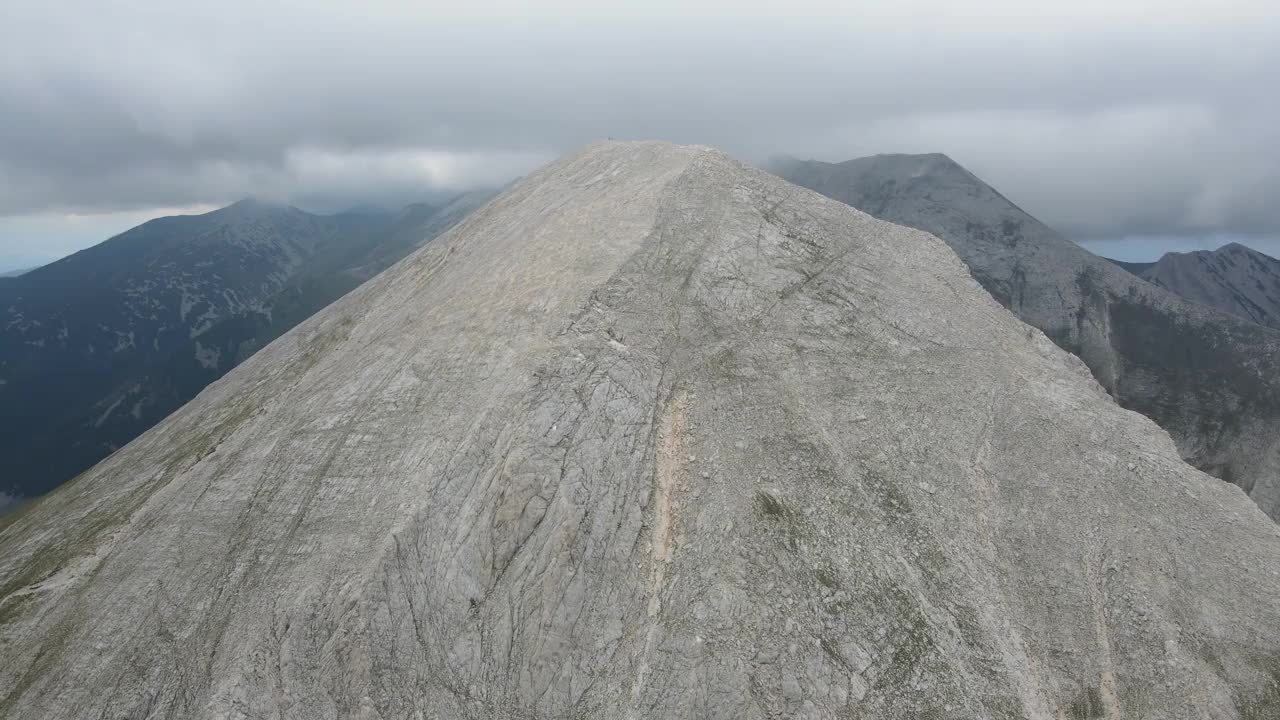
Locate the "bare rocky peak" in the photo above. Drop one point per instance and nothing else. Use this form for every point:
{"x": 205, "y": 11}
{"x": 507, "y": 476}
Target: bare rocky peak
{"x": 254, "y": 210}
{"x": 651, "y": 435}
{"x": 1234, "y": 279}
{"x": 1210, "y": 378}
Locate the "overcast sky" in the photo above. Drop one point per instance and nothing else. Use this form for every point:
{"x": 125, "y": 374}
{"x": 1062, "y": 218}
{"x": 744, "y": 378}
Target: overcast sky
{"x": 1157, "y": 119}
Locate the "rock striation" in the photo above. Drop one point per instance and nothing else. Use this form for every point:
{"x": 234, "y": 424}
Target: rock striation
{"x": 1210, "y": 378}
{"x": 651, "y": 435}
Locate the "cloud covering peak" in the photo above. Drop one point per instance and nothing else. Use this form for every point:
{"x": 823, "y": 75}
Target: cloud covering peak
{"x": 1104, "y": 119}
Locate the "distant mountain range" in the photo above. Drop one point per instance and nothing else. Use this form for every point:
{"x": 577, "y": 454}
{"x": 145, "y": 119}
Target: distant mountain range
{"x": 1203, "y": 370}
{"x": 1234, "y": 279}
{"x": 99, "y": 346}
{"x": 16, "y": 273}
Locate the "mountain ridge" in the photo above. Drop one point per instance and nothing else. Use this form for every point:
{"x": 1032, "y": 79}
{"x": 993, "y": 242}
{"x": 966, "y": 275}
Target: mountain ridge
{"x": 1211, "y": 379}
{"x": 105, "y": 342}
{"x": 652, "y": 434}
{"x": 1234, "y": 279}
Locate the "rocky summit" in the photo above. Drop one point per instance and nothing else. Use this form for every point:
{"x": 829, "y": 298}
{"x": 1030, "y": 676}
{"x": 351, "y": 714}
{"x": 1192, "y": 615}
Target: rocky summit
{"x": 651, "y": 435}
{"x": 1211, "y": 378}
{"x": 1234, "y": 279}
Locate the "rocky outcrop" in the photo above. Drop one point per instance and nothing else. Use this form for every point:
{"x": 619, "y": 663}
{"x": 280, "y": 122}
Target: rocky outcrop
{"x": 651, "y": 435}
{"x": 98, "y": 347}
{"x": 1210, "y": 378}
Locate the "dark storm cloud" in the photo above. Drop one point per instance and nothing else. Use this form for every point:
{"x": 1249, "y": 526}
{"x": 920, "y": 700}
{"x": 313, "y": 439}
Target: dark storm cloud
{"x": 1105, "y": 119}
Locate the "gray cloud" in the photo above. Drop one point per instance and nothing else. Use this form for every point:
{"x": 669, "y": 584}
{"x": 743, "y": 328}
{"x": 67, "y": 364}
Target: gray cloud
{"x": 1105, "y": 119}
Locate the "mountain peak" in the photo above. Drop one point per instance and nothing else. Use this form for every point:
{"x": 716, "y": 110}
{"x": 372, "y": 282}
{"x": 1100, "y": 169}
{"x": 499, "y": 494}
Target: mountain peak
{"x": 933, "y": 157}
{"x": 1240, "y": 248}
{"x": 1122, "y": 327}
{"x": 1234, "y": 278}
{"x": 898, "y": 186}
{"x": 174, "y": 302}
{"x": 933, "y": 166}
{"x": 651, "y": 429}
{"x": 250, "y": 203}
{"x": 252, "y": 208}
{"x": 1229, "y": 249}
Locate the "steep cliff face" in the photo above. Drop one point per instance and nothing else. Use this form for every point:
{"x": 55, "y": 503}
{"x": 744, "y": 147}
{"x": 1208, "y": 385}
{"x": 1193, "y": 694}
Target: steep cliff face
{"x": 1234, "y": 279}
{"x": 1210, "y": 378}
{"x": 98, "y": 347}
{"x": 651, "y": 435}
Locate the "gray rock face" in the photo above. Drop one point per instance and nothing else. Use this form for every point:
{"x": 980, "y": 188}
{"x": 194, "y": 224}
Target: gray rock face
{"x": 1210, "y": 378}
{"x": 1234, "y": 279}
{"x": 651, "y": 435}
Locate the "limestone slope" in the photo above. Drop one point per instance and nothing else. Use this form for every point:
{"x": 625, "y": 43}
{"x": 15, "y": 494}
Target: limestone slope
{"x": 1210, "y": 378}
{"x": 650, "y": 435}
